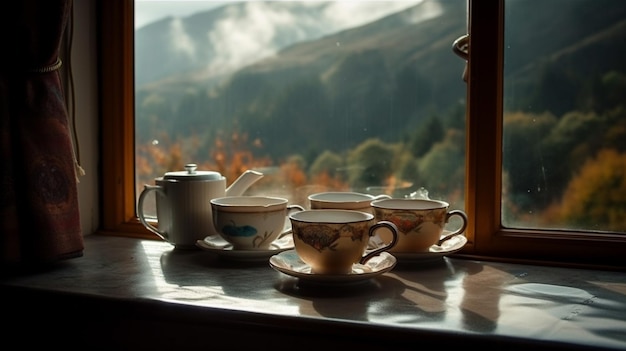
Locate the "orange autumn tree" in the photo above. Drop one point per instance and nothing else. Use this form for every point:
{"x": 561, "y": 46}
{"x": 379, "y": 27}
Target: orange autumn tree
{"x": 595, "y": 197}
{"x": 232, "y": 157}
{"x": 154, "y": 158}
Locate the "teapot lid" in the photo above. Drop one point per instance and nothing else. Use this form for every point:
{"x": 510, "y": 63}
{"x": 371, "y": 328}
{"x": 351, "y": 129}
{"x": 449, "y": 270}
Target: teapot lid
{"x": 191, "y": 173}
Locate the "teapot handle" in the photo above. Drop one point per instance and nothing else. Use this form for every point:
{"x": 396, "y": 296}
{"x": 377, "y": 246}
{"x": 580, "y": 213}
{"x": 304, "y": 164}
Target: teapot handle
{"x": 146, "y": 190}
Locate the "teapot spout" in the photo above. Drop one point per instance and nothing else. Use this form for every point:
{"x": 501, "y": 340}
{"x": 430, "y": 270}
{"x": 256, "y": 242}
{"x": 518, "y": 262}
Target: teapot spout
{"x": 242, "y": 183}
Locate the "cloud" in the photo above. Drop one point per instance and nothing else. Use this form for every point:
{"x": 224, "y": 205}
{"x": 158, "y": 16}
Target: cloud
{"x": 180, "y": 41}
{"x": 245, "y": 37}
{"x": 346, "y": 14}
{"x": 260, "y": 30}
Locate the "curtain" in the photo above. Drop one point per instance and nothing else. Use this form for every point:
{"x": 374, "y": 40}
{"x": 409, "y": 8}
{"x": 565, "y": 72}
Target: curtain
{"x": 39, "y": 214}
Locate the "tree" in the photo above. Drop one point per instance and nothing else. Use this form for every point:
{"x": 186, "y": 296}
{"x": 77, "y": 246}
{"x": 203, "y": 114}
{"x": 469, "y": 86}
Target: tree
{"x": 596, "y": 198}
{"x": 576, "y": 138}
{"x": 612, "y": 88}
{"x": 525, "y": 158}
{"x": 442, "y": 169}
{"x": 327, "y": 162}
{"x": 370, "y": 164}
{"x": 427, "y": 134}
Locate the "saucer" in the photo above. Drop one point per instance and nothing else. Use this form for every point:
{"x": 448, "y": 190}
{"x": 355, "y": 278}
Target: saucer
{"x": 435, "y": 252}
{"x": 288, "y": 262}
{"x": 219, "y": 246}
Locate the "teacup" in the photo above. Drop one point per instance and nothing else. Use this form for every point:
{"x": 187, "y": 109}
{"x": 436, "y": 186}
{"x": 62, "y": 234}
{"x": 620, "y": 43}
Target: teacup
{"x": 251, "y": 222}
{"x": 344, "y": 200}
{"x": 420, "y": 222}
{"x": 332, "y": 241}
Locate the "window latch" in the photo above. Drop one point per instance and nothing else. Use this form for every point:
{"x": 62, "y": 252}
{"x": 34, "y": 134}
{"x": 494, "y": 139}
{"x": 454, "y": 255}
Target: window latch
{"x": 461, "y": 48}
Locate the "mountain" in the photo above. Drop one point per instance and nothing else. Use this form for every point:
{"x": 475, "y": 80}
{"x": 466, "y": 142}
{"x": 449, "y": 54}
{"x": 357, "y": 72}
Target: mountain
{"x": 407, "y": 56}
{"x": 209, "y": 44}
{"x": 329, "y": 88}
{"x": 312, "y": 85}
{"x": 555, "y": 75}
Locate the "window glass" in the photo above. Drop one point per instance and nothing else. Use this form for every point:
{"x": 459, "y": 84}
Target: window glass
{"x": 564, "y": 128}
{"x": 340, "y": 95}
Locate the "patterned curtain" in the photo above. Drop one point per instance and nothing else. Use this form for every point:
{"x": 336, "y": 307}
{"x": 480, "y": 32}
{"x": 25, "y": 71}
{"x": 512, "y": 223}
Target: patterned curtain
{"x": 39, "y": 215}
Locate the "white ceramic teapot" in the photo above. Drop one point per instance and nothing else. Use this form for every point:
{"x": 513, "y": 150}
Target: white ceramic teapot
{"x": 183, "y": 203}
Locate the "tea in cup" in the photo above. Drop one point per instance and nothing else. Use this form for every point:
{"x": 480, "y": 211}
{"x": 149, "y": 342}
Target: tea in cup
{"x": 420, "y": 222}
{"x": 344, "y": 201}
{"x": 251, "y": 222}
{"x": 331, "y": 241}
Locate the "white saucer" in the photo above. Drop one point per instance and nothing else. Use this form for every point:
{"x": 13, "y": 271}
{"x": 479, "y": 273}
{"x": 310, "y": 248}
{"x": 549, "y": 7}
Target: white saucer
{"x": 288, "y": 262}
{"x": 435, "y": 252}
{"x": 219, "y": 246}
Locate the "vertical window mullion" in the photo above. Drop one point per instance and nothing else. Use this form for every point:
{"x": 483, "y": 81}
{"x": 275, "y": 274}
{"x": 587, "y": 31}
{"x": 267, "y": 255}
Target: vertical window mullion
{"x": 484, "y": 126}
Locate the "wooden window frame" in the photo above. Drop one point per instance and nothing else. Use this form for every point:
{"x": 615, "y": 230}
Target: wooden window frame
{"x": 487, "y": 239}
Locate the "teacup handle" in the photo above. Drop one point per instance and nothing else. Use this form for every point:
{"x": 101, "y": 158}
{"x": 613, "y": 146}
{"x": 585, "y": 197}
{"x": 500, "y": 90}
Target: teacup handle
{"x": 458, "y": 231}
{"x": 394, "y": 231}
{"x": 290, "y": 209}
{"x": 294, "y": 208}
{"x": 382, "y": 196}
{"x": 146, "y": 190}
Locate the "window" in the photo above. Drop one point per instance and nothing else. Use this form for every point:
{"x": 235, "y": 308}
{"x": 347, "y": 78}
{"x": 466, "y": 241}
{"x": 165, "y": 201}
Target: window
{"x": 318, "y": 95}
{"x": 484, "y": 152}
{"x": 564, "y": 118}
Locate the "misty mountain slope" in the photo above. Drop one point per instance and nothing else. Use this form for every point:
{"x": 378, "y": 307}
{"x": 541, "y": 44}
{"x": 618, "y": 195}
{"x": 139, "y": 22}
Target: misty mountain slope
{"x": 395, "y": 34}
{"x": 539, "y": 30}
{"x": 390, "y": 45}
{"x": 557, "y": 83}
{"x": 216, "y": 42}
{"x": 206, "y": 42}
{"x": 550, "y": 75}
{"x": 381, "y": 77}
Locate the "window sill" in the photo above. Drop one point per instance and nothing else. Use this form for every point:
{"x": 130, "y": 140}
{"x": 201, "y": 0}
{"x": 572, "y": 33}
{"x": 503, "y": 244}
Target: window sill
{"x": 141, "y": 293}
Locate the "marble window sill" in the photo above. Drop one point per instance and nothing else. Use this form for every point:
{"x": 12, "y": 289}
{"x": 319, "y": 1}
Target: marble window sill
{"x": 127, "y": 292}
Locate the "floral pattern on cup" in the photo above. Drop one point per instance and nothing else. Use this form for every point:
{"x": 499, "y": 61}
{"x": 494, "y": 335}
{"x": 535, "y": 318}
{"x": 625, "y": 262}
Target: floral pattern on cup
{"x": 262, "y": 240}
{"x": 323, "y": 237}
{"x": 411, "y": 222}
